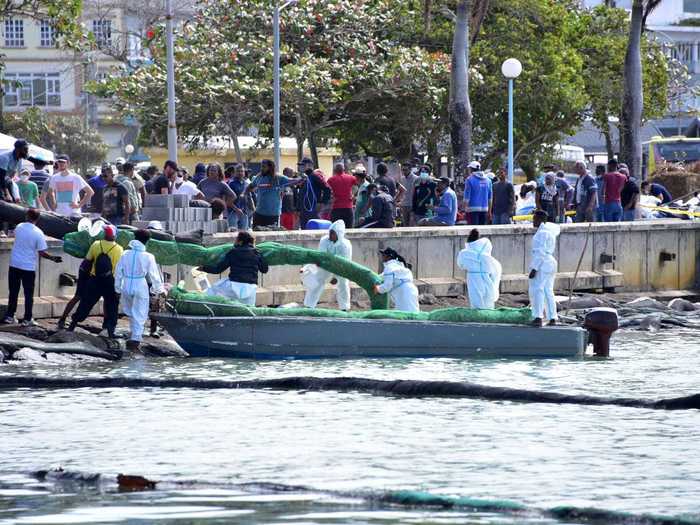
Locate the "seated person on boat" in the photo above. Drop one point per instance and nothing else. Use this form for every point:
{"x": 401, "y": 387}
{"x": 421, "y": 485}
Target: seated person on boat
{"x": 398, "y": 282}
{"x": 244, "y": 262}
{"x": 315, "y": 278}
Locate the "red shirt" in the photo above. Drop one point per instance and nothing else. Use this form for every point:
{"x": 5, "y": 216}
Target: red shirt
{"x": 613, "y": 184}
{"x": 341, "y": 186}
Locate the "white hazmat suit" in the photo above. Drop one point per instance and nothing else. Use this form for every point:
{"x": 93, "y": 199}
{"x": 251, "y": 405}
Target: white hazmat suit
{"x": 541, "y": 289}
{"x": 130, "y": 280}
{"x": 314, "y": 278}
{"x": 398, "y": 283}
{"x": 483, "y": 273}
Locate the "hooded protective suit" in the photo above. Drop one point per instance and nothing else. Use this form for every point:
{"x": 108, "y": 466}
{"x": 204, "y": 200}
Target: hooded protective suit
{"x": 134, "y": 271}
{"x": 483, "y": 273}
{"x": 398, "y": 283}
{"x": 541, "y": 288}
{"x": 314, "y": 278}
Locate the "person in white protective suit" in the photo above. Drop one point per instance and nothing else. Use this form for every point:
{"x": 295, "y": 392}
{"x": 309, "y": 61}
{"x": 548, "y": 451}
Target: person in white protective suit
{"x": 398, "y": 282}
{"x": 483, "y": 271}
{"x": 543, "y": 270}
{"x": 315, "y": 278}
{"x": 244, "y": 262}
{"x": 135, "y": 270}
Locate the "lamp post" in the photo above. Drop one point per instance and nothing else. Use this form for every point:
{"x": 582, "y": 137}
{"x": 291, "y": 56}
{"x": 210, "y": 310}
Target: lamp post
{"x": 276, "y": 76}
{"x": 511, "y": 69}
{"x": 172, "y": 124}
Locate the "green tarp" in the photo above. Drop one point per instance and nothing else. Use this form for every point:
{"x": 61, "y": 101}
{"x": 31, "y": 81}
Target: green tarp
{"x": 192, "y": 303}
{"x": 170, "y": 253}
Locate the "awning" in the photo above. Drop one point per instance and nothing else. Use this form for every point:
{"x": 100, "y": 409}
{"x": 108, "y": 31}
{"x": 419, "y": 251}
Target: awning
{"x": 7, "y": 143}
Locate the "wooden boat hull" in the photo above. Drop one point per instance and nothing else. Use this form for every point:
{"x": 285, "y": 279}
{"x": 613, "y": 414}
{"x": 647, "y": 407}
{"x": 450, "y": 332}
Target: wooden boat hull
{"x": 313, "y": 338}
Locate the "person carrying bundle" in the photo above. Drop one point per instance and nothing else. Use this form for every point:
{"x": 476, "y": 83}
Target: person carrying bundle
{"x": 398, "y": 282}
{"x": 244, "y": 262}
{"x": 135, "y": 270}
{"x": 315, "y": 278}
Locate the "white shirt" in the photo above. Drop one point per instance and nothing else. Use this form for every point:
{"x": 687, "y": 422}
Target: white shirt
{"x": 67, "y": 187}
{"x": 186, "y": 188}
{"x": 29, "y": 240}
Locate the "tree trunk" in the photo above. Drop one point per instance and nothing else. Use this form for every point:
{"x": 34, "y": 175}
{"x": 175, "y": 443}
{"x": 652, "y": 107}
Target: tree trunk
{"x": 433, "y": 155}
{"x": 608, "y": 142}
{"x": 237, "y": 149}
{"x": 633, "y": 97}
{"x": 313, "y": 147}
{"x": 427, "y": 15}
{"x": 460, "y": 107}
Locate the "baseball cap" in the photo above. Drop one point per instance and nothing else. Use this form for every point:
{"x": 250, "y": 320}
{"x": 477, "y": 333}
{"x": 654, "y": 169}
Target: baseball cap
{"x": 446, "y": 180}
{"x": 155, "y": 225}
{"x": 120, "y": 160}
{"x": 62, "y": 157}
{"x": 21, "y": 143}
{"x": 475, "y": 165}
{"x": 110, "y": 232}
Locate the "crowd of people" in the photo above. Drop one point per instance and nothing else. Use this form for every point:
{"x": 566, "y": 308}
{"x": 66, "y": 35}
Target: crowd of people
{"x": 297, "y": 199}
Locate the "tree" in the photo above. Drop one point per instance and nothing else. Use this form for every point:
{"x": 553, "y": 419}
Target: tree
{"x": 460, "y": 105}
{"x": 633, "y": 93}
{"x": 66, "y": 135}
{"x": 602, "y": 42}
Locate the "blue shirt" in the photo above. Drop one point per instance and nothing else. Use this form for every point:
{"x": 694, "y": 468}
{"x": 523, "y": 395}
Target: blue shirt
{"x": 477, "y": 192}
{"x": 239, "y": 186}
{"x": 658, "y": 189}
{"x": 446, "y": 211}
{"x": 269, "y": 194}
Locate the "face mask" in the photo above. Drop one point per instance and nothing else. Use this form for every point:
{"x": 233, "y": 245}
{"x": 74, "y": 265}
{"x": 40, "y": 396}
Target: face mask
{"x": 179, "y": 179}
{"x": 309, "y": 171}
{"x": 24, "y": 178}
{"x": 424, "y": 175}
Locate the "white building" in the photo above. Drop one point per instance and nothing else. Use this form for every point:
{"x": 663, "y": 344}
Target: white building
{"x": 39, "y": 74}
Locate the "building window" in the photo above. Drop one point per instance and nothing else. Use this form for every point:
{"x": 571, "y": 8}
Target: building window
{"x": 14, "y": 32}
{"x": 32, "y": 89}
{"x": 102, "y": 29}
{"x": 691, "y": 6}
{"x": 47, "y": 34}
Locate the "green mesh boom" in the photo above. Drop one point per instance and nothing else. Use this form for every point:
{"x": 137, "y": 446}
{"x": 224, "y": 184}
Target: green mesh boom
{"x": 170, "y": 253}
{"x": 193, "y": 303}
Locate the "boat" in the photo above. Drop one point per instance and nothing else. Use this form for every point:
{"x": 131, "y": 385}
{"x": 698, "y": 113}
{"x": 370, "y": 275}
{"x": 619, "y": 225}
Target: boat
{"x": 284, "y": 337}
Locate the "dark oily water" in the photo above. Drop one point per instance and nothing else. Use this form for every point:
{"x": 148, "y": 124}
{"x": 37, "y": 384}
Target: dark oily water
{"x": 352, "y": 452}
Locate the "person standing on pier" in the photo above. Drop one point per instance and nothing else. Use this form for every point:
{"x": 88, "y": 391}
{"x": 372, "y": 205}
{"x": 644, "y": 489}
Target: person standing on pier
{"x": 29, "y": 241}
{"x": 483, "y": 271}
{"x": 543, "y": 270}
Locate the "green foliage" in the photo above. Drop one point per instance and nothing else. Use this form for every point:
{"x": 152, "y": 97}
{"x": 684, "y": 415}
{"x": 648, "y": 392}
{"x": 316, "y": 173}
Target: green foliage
{"x": 63, "y": 134}
{"x": 368, "y": 74}
{"x": 602, "y": 42}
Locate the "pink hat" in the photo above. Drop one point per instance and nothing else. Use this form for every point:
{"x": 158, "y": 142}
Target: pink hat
{"x": 110, "y": 232}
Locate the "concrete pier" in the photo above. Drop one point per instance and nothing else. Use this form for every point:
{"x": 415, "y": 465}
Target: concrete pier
{"x": 632, "y": 257}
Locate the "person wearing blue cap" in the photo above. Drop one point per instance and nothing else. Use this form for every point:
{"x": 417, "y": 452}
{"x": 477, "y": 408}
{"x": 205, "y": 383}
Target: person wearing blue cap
{"x": 200, "y": 173}
{"x": 9, "y": 164}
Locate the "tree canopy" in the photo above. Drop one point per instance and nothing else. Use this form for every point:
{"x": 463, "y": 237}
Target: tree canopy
{"x": 374, "y": 75}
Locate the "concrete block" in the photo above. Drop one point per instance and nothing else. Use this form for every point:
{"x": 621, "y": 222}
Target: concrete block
{"x": 366, "y": 253}
{"x": 687, "y": 255}
{"x": 631, "y": 258}
{"x": 662, "y": 275}
{"x": 264, "y": 297}
{"x": 571, "y": 248}
{"x": 284, "y": 294}
{"x": 435, "y": 257}
{"x": 42, "y": 309}
{"x": 445, "y": 286}
{"x": 161, "y": 214}
{"x": 166, "y": 201}
{"x": 49, "y": 274}
{"x": 514, "y": 283}
{"x": 509, "y": 250}
{"x": 603, "y": 244}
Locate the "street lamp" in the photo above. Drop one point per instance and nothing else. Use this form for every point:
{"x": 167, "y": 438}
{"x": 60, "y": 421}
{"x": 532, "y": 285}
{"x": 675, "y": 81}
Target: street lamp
{"x": 170, "y": 56}
{"x": 276, "y": 76}
{"x": 511, "y": 69}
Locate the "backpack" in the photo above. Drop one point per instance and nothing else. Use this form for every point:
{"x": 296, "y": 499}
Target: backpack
{"x": 103, "y": 264}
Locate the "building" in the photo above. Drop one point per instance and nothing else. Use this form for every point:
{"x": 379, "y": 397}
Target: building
{"x": 40, "y": 74}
